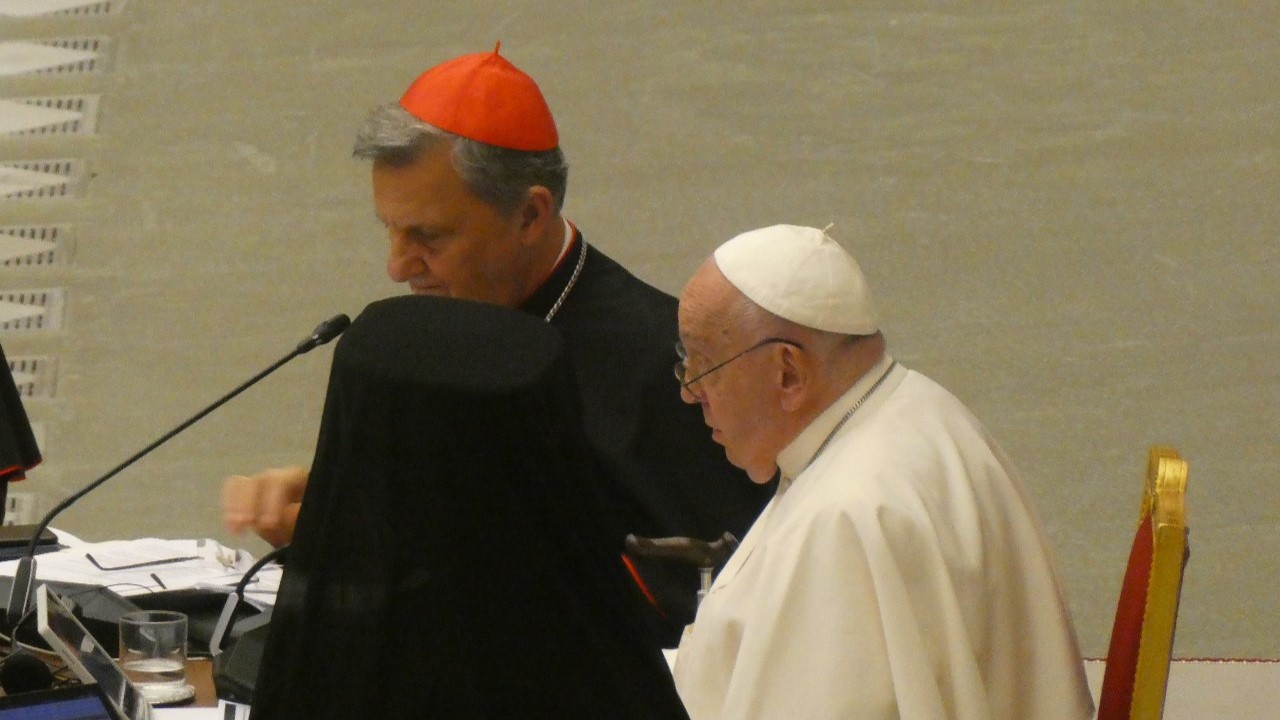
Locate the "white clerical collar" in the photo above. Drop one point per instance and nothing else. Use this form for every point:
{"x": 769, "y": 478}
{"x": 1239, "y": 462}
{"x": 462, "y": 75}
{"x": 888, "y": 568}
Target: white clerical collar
{"x": 802, "y": 450}
{"x": 564, "y": 248}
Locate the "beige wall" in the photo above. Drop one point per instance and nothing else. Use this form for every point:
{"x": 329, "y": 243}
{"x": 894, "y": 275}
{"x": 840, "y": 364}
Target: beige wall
{"x": 1068, "y": 210}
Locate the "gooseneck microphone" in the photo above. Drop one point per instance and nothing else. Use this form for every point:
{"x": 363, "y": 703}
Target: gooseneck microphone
{"x": 223, "y": 627}
{"x": 24, "y": 577}
{"x": 235, "y": 669}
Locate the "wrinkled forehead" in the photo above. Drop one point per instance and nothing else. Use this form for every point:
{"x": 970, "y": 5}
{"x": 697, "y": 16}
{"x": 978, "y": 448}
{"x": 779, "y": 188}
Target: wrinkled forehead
{"x": 710, "y": 310}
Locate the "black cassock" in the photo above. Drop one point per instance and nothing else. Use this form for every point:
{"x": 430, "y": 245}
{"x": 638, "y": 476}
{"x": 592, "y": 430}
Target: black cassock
{"x": 455, "y": 557}
{"x": 666, "y": 477}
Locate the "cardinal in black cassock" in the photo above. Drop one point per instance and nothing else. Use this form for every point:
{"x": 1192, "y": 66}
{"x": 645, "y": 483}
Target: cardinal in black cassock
{"x": 453, "y": 557}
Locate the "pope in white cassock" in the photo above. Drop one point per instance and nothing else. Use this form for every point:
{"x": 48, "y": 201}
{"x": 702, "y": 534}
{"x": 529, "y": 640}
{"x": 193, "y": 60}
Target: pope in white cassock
{"x": 901, "y": 570}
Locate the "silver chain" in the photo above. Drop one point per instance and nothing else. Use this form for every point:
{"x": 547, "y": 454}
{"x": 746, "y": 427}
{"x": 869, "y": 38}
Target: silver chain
{"x": 846, "y": 417}
{"x": 577, "y": 269}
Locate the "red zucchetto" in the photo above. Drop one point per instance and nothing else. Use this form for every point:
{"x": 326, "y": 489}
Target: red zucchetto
{"x": 485, "y": 98}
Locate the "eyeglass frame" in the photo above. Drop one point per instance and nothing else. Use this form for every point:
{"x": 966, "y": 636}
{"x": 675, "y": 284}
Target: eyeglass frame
{"x": 682, "y": 365}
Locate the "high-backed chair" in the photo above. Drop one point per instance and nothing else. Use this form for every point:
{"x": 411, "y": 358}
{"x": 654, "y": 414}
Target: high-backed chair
{"x": 1137, "y": 670}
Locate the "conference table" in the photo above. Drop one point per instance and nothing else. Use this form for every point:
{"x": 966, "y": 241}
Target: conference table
{"x": 1198, "y": 688}
{"x": 200, "y": 676}
{"x": 134, "y": 563}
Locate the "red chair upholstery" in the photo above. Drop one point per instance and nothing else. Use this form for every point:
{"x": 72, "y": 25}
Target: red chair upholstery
{"x": 1137, "y": 670}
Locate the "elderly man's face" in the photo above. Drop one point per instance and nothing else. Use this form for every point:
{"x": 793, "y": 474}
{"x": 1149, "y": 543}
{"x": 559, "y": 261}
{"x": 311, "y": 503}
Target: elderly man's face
{"x": 444, "y": 240}
{"x": 737, "y": 400}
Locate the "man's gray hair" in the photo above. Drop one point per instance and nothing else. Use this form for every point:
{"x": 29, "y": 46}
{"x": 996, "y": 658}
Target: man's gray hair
{"x": 498, "y": 176}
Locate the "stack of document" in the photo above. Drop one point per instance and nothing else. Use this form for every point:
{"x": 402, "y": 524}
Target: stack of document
{"x": 150, "y": 565}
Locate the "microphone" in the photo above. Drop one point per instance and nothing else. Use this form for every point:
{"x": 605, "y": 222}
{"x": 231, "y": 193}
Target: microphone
{"x": 235, "y": 668}
{"x": 227, "y": 618}
{"x": 24, "y": 576}
{"x": 324, "y": 332}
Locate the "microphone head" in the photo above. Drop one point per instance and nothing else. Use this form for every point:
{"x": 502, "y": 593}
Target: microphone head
{"x": 324, "y": 332}
{"x": 332, "y": 328}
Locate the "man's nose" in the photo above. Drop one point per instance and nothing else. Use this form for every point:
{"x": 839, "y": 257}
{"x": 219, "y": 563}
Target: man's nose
{"x": 402, "y": 261}
{"x": 689, "y": 396}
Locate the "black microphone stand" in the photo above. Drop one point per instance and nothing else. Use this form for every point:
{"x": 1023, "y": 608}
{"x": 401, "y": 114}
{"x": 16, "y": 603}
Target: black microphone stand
{"x": 24, "y": 577}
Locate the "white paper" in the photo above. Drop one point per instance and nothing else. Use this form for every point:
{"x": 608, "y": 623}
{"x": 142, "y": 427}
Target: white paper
{"x": 224, "y": 711}
{"x": 147, "y": 565}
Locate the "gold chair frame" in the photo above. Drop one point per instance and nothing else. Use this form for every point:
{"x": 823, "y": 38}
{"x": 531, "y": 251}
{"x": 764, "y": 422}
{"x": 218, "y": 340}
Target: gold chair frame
{"x": 1134, "y": 683}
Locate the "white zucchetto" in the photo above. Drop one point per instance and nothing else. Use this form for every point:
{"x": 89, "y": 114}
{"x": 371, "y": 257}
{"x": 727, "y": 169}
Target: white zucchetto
{"x": 802, "y": 275}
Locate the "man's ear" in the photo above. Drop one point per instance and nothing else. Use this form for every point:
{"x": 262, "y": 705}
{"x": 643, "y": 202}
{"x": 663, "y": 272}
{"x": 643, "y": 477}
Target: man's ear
{"x": 535, "y": 213}
{"x": 794, "y": 377}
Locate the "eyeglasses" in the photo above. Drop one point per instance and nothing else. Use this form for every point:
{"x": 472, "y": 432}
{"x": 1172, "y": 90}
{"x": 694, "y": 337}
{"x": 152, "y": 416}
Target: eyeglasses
{"x": 682, "y": 366}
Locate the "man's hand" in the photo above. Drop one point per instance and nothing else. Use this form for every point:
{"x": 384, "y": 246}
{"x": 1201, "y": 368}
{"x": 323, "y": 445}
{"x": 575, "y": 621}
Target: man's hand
{"x": 267, "y": 503}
